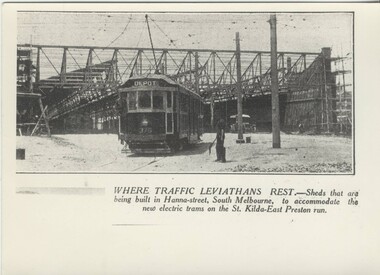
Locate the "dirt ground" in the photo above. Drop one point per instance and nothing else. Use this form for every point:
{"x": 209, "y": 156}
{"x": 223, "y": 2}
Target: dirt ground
{"x": 103, "y": 153}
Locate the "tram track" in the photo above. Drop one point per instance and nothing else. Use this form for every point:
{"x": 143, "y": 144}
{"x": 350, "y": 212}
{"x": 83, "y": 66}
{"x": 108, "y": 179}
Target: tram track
{"x": 155, "y": 160}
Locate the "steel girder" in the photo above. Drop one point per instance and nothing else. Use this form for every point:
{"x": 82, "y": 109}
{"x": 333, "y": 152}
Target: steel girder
{"x": 91, "y": 74}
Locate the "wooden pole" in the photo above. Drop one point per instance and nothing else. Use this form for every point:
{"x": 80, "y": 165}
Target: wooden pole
{"x": 190, "y": 66}
{"x": 276, "y": 142}
{"x": 38, "y": 122}
{"x": 44, "y": 116}
{"x": 212, "y": 110}
{"x": 239, "y": 92}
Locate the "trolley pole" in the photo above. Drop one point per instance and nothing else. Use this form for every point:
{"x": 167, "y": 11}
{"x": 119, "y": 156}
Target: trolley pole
{"x": 276, "y": 142}
{"x": 240, "y": 138}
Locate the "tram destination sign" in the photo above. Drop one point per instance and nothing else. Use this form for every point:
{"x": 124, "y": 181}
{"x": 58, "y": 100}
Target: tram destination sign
{"x": 146, "y": 82}
{"x": 138, "y": 83}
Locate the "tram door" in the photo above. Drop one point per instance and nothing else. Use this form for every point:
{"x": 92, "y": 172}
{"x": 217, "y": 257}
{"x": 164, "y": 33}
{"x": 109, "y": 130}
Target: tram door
{"x": 169, "y": 113}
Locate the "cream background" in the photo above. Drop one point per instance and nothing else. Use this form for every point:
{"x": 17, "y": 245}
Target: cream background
{"x": 73, "y": 234}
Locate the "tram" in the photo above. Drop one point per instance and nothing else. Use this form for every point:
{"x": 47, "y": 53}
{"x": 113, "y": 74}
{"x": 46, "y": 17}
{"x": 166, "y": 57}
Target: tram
{"x": 158, "y": 115}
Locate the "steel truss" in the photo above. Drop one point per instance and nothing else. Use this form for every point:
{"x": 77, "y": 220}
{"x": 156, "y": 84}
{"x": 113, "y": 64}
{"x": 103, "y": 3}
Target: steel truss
{"x": 92, "y": 74}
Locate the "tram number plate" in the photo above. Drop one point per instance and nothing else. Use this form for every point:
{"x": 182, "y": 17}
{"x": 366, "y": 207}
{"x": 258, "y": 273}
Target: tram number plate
{"x": 146, "y": 130}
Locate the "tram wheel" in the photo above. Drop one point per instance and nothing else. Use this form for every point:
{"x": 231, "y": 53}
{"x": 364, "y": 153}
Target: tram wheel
{"x": 177, "y": 146}
{"x": 180, "y": 146}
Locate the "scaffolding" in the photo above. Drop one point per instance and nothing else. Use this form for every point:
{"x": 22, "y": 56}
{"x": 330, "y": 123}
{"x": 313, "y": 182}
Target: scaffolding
{"x": 88, "y": 78}
{"x": 30, "y": 108}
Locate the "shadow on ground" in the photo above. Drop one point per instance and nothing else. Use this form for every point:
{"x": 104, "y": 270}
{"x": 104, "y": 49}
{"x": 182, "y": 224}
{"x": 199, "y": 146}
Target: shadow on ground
{"x": 193, "y": 149}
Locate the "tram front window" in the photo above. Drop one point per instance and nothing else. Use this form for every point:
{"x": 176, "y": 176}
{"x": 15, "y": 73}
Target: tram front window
{"x": 169, "y": 99}
{"x": 145, "y": 99}
{"x": 158, "y": 101}
{"x": 132, "y": 101}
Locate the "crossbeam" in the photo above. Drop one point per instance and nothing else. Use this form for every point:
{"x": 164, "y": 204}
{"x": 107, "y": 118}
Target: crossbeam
{"x": 156, "y": 49}
{"x": 211, "y": 73}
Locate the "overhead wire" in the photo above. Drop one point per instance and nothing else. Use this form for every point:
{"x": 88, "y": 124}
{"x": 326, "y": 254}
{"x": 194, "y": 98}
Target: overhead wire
{"x": 167, "y": 36}
{"x": 125, "y": 28}
{"x": 138, "y": 42}
{"x": 172, "y": 41}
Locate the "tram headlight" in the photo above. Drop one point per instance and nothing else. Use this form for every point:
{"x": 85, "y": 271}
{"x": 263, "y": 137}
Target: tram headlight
{"x": 144, "y": 122}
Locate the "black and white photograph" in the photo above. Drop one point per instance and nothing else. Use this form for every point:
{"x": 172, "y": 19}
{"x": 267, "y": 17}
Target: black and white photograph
{"x": 190, "y": 138}
{"x": 185, "y": 92}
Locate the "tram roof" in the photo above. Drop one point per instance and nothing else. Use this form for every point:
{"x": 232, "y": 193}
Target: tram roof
{"x": 154, "y": 76}
{"x": 160, "y": 77}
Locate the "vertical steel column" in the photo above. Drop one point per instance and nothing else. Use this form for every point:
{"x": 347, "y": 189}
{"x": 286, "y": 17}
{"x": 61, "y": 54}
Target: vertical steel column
{"x": 38, "y": 69}
{"x": 344, "y": 109}
{"x": 213, "y": 61}
{"x": 63, "y": 66}
{"x": 230, "y": 73}
{"x": 344, "y": 84}
{"x": 304, "y": 62}
{"x": 327, "y": 89}
{"x": 140, "y": 61}
{"x": 89, "y": 58}
{"x": 115, "y": 65}
{"x": 324, "y": 97}
{"x": 260, "y": 69}
{"x": 165, "y": 62}
{"x": 89, "y": 66}
{"x": 276, "y": 142}
{"x": 239, "y": 92}
{"x": 282, "y": 61}
{"x": 288, "y": 64}
{"x": 196, "y": 65}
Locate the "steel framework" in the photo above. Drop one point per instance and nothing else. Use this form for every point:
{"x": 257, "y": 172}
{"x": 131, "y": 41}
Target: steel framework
{"x": 75, "y": 77}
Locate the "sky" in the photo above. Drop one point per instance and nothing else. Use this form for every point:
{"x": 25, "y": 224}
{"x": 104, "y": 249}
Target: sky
{"x": 300, "y": 32}
{"x": 296, "y": 32}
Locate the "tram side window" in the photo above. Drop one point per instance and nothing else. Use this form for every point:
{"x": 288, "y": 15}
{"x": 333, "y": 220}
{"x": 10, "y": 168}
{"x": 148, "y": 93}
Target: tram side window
{"x": 169, "y": 99}
{"x": 145, "y": 99}
{"x": 187, "y": 100}
{"x": 181, "y": 102}
{"x": 158, "y": 101}
{"x": 132, "y": 100}
{"x": 184, "y": 101}
{"x": 122, "y": 103}
{"x": 175, "y": 103}
{"x": 169, "y": 126}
